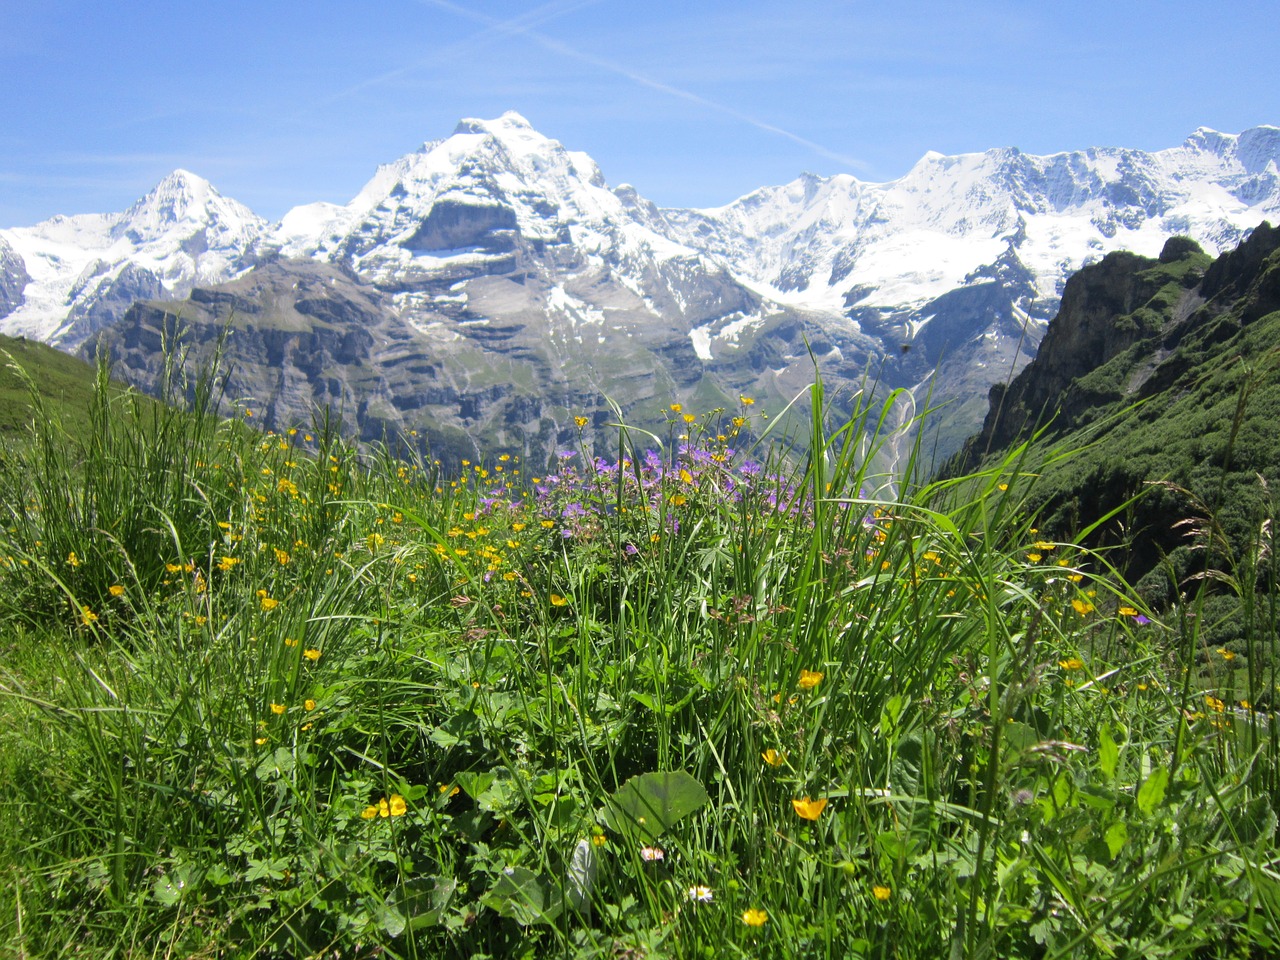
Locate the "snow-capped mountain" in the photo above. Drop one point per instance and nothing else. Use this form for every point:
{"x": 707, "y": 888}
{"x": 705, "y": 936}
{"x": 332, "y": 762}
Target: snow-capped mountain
{"x": 885, "y": 251}
{"x": 515, "y": 268}
{"x": 499, "y": 199}
{"x": 83, "y": 272}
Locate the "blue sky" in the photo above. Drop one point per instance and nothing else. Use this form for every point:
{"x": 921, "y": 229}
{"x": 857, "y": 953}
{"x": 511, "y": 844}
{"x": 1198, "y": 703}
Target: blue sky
{"x": 281, "y": 102}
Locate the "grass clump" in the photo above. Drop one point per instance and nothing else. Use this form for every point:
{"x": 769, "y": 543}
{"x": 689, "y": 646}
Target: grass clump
{"x": 269, "y": 695}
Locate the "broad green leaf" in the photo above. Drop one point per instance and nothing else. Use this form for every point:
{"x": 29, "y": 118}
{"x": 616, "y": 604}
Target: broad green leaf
{"x": 1151, "y": 793}
{"x": 522, "y": 896}
{"x": 651, "y": 803}
{"x": 458, "y": 729}
{"x": 390, "y": 920}
{"x": 165, "y": 891}
{"x": 580, "y": 877}
{"x": 424, "y": 899}
{"x": 1117, "y": 836}
{"x": 891, "y": 713}
{"x": 476, "y": 784}
{"x": 1108, "y": 752}
{"x": 1019, "y": 736}
{"x": 278, "y": 763}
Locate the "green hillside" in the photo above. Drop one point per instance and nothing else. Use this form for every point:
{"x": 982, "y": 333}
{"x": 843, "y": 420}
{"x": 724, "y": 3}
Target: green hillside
{"x": 65, "y": 384}
{"x": 1174, "y": 401}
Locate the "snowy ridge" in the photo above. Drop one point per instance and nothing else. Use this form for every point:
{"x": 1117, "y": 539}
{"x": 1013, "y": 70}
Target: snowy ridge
{"x": 498, "y": 238}
{"x": 832, "y": 243}
{"x": 86, "y": 270}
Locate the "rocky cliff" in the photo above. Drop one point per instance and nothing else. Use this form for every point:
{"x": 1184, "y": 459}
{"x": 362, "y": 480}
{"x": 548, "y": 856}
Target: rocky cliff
{"x": 1161, "y": 377}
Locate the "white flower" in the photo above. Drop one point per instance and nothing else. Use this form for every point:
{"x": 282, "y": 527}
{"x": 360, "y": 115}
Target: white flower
{"x": 652, "y": 853}
{"x": 701, "y": 894}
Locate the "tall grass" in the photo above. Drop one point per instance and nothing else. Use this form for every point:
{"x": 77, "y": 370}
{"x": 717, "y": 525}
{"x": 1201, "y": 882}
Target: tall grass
{"x": 268, "y": 695}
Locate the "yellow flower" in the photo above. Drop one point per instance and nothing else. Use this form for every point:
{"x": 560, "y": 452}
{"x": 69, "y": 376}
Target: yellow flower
{"x": 397, "y": 805}
{"x": 368, "y": 813}
{"x": 1081, "y": 606}
{"x": 1034, "y": 557}
{"x": 277, "y": 708}
{"x": 676, "y": 408}
{"x": 260, "y": 741}
{"x": 308, "y": 705}
{"x": 773, "y": 758}
{"x": 1226, "y": 654}
{"x": 87, "y": 616}
{"x": 881, "y": 893}
{"x": 72, "y": 559}
{"x": 746, "y": 401}
{"x": 282, "y": 556}
{"x": 755, "y": 917}
{"x": 558, "y": 601}
{"x": 689, "y": 418}
{"x": 580, "y": 422}
{"x": 1127, "y": 612}
{"x": 1071, "y": 663}
{"x": 810, "y": 679}
{"x": 116, "y": 590}
{"x": 312, "y": 654}
{"x": 809, "y": 809}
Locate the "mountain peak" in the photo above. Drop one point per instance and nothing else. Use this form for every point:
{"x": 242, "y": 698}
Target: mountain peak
{"x": 179, "y": 194}
{"x": 509, "y": 122}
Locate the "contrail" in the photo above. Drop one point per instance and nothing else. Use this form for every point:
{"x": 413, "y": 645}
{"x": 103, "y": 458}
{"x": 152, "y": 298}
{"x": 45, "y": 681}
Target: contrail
{"x": 493, "y": 28}
{"x": 518, "y": 27}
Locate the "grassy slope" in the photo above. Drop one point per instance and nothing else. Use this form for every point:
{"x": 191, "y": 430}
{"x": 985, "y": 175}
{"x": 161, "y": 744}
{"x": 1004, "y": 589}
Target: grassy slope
{"x": 243, "y": 676}
{"x": 1184, "y": 420}
{"x": 65, "y": 384}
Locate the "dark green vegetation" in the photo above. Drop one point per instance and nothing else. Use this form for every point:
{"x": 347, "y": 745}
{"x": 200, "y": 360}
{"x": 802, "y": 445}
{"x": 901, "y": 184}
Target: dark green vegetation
{"x": 269, "y": 695}
{"x": 1163, "y": 378}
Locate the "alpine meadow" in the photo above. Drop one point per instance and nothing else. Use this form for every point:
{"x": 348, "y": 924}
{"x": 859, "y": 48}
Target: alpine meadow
{"x": 502, "y": 565}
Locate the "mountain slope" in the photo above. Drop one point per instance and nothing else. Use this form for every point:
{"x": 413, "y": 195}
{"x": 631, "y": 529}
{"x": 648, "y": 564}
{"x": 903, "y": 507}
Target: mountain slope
{"x": 83, "y": 272}
{"x": 1156, "y": 371}
{"x": 497, "y": 245}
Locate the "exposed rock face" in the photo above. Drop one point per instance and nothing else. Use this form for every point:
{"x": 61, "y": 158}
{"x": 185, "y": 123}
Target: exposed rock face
{"x": 13, "y": 279}
{"x": 512, "y": 258}
{"x": 1161, "y": 417}
{"x": 303, "y": 336}
{"x": 1120, "y": 322}
{"x": 85, "y": 271}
